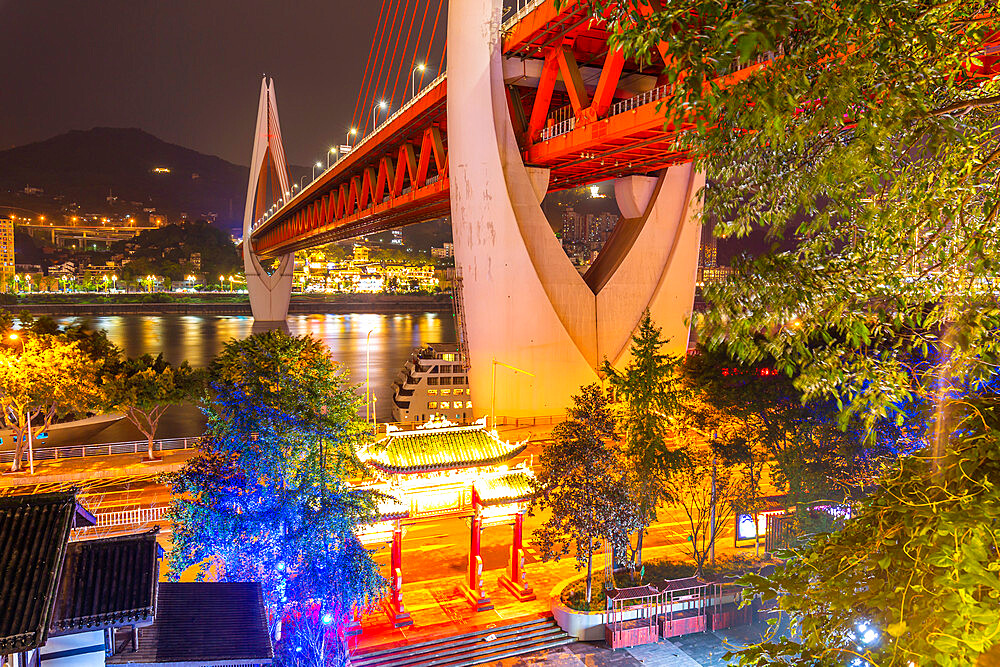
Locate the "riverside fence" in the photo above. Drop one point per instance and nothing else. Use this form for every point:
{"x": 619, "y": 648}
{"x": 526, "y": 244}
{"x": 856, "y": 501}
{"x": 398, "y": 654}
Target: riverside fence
{"x": 107, "y": 449}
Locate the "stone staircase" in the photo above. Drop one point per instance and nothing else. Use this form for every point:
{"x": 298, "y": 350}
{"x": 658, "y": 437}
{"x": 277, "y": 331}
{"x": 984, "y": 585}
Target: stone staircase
{"x": 481, "y": 647}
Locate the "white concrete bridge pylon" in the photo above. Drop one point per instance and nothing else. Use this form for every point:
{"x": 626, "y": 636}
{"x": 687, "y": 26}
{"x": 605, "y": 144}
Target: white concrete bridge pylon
{"x": 270, "y": 292}
{"x": 526, "y": 305}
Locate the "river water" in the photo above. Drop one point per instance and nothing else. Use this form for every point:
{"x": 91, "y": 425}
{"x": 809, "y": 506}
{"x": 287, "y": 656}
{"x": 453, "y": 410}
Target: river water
{"x": 199, "y": 338}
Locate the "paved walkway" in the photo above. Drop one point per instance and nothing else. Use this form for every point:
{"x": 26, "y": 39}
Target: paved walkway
{"x": 438, "y": 608}
{"x": 94, "y": 469}
{"x": 704, "y": 649}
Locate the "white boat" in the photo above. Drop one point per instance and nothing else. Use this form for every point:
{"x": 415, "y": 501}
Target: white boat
{"x": 433, "y": 383}
{"x": 65, "y": 433}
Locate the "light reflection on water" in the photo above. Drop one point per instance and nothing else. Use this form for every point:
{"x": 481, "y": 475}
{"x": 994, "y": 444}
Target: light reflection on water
{"x": 199, "y": 338}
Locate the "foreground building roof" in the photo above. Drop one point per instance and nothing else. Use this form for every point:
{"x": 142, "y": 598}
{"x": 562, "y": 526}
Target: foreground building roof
{"x": 108, "y": 583}
{"x": 439, "y": 448}
{"x": 33, "y": 535}
{"x": 203, "y": 623}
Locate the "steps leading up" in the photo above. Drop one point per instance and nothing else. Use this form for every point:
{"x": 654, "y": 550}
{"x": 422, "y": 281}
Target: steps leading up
{"x": 470, "y": 648}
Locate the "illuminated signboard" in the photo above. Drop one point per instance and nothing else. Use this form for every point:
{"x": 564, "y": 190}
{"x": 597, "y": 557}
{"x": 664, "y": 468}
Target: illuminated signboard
{"x": 745, "y": 533}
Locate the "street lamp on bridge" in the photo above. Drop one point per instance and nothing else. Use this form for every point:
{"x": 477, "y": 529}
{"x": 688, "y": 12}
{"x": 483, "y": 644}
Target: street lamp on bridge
{"x": 350, "y": 133}
{"x": 332, "y": 151}
{"x": 318, "y": 165}
{"x": 413, "y": 83}
{"x": 381, "y": 106}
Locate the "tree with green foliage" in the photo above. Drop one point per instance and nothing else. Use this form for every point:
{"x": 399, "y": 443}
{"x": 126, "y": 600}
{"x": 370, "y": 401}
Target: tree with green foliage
{"x": 583, "y": 482}
{"x": 267, "y": 496}
{"x": 692, "y": 482}
{"x": 868, "y": 133}
{"x": 917, "y": 564}
{"x": 42, "y": 378}
{"x": 143, "y": 388}
{"x": 649, "y": 393}
{"x": 755, "y": 417}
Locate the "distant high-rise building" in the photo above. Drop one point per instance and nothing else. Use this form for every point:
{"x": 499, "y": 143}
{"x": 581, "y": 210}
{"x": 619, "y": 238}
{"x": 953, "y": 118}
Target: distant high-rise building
{"x": 708, "y": 255}
{"x": 6, "y": 252}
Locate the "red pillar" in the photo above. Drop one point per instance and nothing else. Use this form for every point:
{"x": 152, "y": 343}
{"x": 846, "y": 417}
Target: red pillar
{"x": 474, "y": 589}
{"x": 515, "y": 579}
{"x": 397, "y": 612}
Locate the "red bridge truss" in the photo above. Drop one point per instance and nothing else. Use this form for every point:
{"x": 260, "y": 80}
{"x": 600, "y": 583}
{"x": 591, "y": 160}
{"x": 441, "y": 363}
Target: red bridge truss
{"x": 578, "y": 108}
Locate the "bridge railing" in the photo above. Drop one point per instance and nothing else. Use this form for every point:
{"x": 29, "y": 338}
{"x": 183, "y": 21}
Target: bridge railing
{"x": 413, "y": 100}
{"x": 524, "y": 7}
{"x": 108, "y": 449}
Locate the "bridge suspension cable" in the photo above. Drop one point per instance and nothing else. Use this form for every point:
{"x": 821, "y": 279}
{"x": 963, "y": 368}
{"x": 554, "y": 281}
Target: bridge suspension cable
{"x": 430, "y": 44}
{"x": 366, "y": 73}
{"x": 394, "y": 30}
{"x": 402, "y": 56}
{"x": 416, "y": 49}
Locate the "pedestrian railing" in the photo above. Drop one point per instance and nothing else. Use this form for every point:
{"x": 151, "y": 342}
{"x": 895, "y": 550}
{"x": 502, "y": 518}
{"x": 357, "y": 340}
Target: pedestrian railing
{"x": 108, "y": 449}
{"x": 130, "y": 517}
{"x": 523, "y": 7}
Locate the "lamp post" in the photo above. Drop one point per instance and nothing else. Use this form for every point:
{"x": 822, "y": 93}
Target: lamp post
{"x": 715, "y": 436}
{"x": 318, "y": 165}
{"x": 332, "y": 151}
{"x": 350, "y": 133}
{"x": 493, "y": 390}
{"x": 27, "y": 414}
{"x": 381, "y": 106}
{"x": 413, "y": 79}
{"x": 368, "y": 375}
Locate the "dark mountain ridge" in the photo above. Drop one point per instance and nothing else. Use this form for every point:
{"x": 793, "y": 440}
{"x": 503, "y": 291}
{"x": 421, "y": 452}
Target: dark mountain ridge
{"x": 88, "y": 166}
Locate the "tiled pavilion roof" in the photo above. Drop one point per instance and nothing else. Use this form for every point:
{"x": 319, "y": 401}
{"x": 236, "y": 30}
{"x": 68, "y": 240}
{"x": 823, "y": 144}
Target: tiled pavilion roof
{"x": 106, "y": 583}
{"x": 509, "y": 488}
{"x": 33, "y": 534}
{"x": 426, "y": 450}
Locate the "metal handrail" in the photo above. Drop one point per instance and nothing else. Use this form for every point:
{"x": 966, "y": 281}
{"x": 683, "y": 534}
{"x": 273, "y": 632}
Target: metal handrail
{"x": 521, "y": 13}
{"x": 106, "y": 449}
{"x": 654, "y": 95}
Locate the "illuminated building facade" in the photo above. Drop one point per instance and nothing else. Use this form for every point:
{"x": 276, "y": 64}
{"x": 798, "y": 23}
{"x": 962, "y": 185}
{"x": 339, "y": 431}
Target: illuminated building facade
{"x": 6, "y": 252}
{"x": 441, "y": 469}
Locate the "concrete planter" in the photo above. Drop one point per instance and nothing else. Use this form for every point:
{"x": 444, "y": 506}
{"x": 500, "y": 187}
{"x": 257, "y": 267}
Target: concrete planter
{"x": 585, "y": 625}
{"x": 589, "y": 625}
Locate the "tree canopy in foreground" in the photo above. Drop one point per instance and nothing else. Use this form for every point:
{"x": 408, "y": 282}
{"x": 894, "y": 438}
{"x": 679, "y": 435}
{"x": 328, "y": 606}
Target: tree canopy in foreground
{"x": 868, "y": 134}
{"x": 267, "y": 496}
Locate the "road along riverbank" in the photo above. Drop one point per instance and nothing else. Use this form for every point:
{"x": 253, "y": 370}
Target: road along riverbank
{"x": 334, "y": 304}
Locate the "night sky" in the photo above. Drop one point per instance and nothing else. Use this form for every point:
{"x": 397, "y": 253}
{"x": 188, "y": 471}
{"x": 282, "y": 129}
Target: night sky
{"x": 189, "y": 71}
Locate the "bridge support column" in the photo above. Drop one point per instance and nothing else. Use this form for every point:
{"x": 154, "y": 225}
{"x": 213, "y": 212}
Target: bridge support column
{"x": 526, "y": 305}
{"x": 270, "y": 291}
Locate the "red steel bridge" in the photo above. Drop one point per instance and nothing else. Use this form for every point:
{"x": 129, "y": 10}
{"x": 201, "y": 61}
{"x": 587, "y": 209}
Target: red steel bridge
{"x": 577, "y": 107}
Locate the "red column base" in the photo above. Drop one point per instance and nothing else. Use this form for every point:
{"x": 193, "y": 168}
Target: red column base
{"x": 479, "y": 601}
{"x": 398, "y": 618}
{"x": 522, "y": 592}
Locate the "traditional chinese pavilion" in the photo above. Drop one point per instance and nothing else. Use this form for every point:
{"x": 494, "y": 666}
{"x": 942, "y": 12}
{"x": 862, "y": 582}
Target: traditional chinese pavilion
{"x": 443, "y": 469}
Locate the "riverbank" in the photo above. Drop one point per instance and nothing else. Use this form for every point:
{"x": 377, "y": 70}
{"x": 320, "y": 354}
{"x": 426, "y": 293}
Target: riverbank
{"x": 156, "y": 304}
